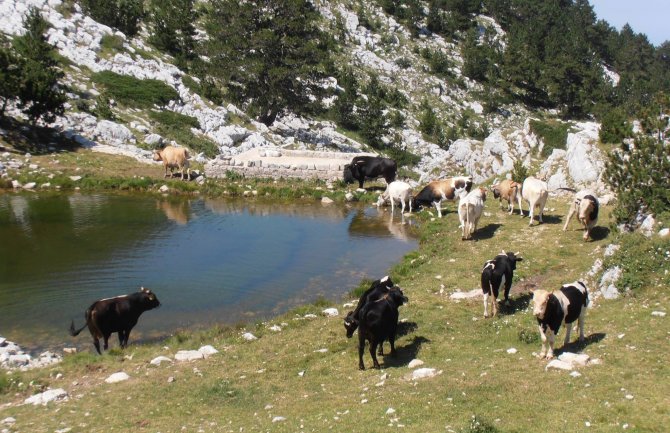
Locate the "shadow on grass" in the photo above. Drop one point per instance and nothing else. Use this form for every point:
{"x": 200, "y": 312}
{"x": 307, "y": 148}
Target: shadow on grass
{"x": 548, "y": 219}
{"x": 519, "y": 303}
{"x": 486, "y": 232}
{"x": 405, "y": 353}
{"x": 599, "y": 233}
{"x": 578, "y": 346}
{"x": 35, "y": 139}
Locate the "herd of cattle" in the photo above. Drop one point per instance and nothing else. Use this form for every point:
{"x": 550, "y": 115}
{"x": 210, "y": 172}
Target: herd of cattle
{"x": 376, "y": 315}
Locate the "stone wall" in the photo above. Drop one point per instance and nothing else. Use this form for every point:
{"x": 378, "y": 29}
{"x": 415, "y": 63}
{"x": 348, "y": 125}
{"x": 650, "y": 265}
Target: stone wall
{"x": 274, "y": 163}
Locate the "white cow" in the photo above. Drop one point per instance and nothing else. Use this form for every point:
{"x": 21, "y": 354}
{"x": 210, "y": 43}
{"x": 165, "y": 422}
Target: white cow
{"x": 586, "y": 206}
{"x": 470, "y": 208}
{"x": 535, "y": 192}
{"x": 397, "y": 190}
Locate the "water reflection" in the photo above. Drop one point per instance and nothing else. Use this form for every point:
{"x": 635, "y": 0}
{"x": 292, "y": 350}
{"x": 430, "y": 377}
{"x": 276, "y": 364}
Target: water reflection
{"x": 209, "y": 261}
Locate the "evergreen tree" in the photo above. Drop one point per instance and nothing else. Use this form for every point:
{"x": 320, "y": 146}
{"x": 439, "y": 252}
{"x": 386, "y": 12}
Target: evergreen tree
{"x": 173, "y": 26}
{"x": 614, "y": 127}
{"x": 125, "y": 15}
{"x": 345, "y": 104}
{"x": 9, "y": 74}
{"x": 646, "y": 165}
{"x": 40, "y": 93}
{"x": 270, "y": 52}
{"x": 373, "y": 122}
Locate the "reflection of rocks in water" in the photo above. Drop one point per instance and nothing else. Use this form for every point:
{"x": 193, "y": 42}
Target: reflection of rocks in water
{"x": 261, "y": 208}
{"x": 380, "y": 223}
{"x": 178, "y": 211}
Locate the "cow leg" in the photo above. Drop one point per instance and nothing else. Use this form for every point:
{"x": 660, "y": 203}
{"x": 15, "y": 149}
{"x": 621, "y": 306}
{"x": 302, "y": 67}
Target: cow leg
{"x": 568, "y": 330}
{"x": 121, "y": 338}
{"x": 550, "y": 337}
{"x": 530, "y": 213}
{"x": 96, "y": 343}
{"x": 373, "y": 354}
{"x": 582, "y": 314}
{"x": 166, "y": 169}
{"x": 360, "y": 183}
{"x": 569, "y": 217}
{"x": 486, "y": 305}
{"x": 508, "y": 286}
{"x": 392, "y": 205}
{"x": 543, "y": 337}
{"x": 438, "y": 207}
{"x": 361, "y": 349}
{"x": 392, "y": 342}
{"x": 105, "y": 339}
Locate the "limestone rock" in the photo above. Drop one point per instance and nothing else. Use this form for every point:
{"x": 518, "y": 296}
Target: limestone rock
{"x": 159, "y": 360}
{"x": 47, "y": 396}
{"x": 189, "y": 355}
{"x": 117, "y": 377}
{"x": 330, "y": 312}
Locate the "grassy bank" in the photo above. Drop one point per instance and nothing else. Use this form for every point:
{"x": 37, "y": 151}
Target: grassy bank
{"x": 305, "y": 377}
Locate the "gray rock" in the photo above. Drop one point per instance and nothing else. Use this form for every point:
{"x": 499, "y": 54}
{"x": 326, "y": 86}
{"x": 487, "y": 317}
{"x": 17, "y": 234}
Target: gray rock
{"x": 117, "y": 377}
{"x": 160, "y": 359}
{"x": 46, "y": 397}
{"x": 189, "y": 355}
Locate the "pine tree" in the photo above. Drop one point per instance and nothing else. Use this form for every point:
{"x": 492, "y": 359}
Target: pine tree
{"x": 41, "y": 96}
{"x": 270, "y": 53}
{"x": 9, "y": 74}
{"x": 125, "y": 15}
{"x": 173, "y": 26}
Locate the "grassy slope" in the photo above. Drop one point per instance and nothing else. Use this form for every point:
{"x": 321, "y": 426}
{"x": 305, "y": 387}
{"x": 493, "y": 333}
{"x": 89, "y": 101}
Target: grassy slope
{"x": 249, "y": 383}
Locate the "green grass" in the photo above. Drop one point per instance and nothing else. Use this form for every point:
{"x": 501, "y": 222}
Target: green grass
{"x": 288, "y": 374}
{"x": 177, "y": 127}
{"x": 134, "y": 92}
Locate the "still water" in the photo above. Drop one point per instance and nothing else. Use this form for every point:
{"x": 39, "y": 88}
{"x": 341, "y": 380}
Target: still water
{"x": 208, "y": 261}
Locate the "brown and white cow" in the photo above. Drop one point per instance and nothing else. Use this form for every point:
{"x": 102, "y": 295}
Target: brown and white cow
{"x": 551, "y": 309}
{"x": 438, "y": 191}
{"x": 508, "y": 190}
{"x": 118, "y": 314}
{"x": 535, "y": 192}
{"x": 174, "y": 157}
{"x": 586, "y": 206}
{"x": 470, "y": 209}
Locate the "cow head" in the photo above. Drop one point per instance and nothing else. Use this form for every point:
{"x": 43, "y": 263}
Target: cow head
{"x": 149, "y": 298}
{"x": 157, "y": 155}
{"x": 348, "y": 174}
{"x": 495, "y": 189}
{"x": 482, "y": 191}
{"x": 398, "y": 297}
{"x": 513, "y": 258}
{"x": 350, "y": 324}
{"x": 540, "y": 298}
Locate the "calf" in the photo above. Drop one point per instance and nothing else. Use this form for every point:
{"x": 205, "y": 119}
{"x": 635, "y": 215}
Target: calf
{"x": 118, "y": 314}
{"x": 369, "y": 167}
{"x": 470, "y": 209}
{"x": 378, "y": 322}
{"x": 535, "y": 192}
{"x": 397, "y": 190}
{"x": 508, "y": 190}
{"x": 551, "y": 309}
{"x": 498, "y": 273}
{"x": 377, "y": 290}
{"x": 439, "y": 190}
{"x": 174, "y": 157}
{"x": 586, "y": 205}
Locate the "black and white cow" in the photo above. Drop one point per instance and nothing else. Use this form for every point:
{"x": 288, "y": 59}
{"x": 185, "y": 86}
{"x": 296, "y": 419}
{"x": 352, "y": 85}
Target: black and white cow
{"x": 369, "y": 167}
{"x": 551, "y": 309}
{"x": 377, "y": 289}
{"x": 497, "y": 274}
{"x": 379, "y": 322}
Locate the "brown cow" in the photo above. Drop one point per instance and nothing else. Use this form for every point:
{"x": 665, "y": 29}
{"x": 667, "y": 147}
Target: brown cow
{"x": 439, "y": 190}
{"x": 174, "y": 157}
{"x": 508, "y": 190}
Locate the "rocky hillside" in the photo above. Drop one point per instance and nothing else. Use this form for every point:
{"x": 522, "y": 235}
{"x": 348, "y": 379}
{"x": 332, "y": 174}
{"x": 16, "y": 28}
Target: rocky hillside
{"x": 89, "y": 49}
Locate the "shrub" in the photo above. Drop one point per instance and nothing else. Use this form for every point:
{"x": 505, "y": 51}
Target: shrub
{"x": 177, "y": 127}
{"x": 134, "y": 92}
{"x": 644, "y": 262}
{"x": 615, "y": 127}
{"x": 553, "y": 133}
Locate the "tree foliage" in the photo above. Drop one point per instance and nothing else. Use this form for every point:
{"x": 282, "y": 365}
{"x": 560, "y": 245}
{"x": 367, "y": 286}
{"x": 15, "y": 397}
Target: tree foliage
{"x": 10, "y": 74}
{"x": 639, "y": 175}
{"x": 270, "y": 53}
{"x": 40, "y": 92}
{"x": 173, "y": 28}
{"x": 124, "y": 15}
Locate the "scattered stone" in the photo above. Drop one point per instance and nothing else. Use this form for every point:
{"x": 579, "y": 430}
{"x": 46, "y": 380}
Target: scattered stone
{"x": 70, "y": 350}
{"x": 658, "y": 313}
{"x": 248, "y": 336}
{"x": 164, "y": 189}
{"x": 349, "y": 197}
{"x": 208, "y": 350}
{"x": 575, "y": 374}
{"x": 310, "y": 316}
{"x": 629, "y": 396}
{"x": 559, "y": 365}
{"x": 278, "y": 419}
{"x": 29, "y": 185}
{"x": 8, "y": 421}
{"x": 415, "y": 363}
{"x": 573, "y": 359}
{"x": 424, "y": 373}
{"x": 326, "y": 200}
{"x": 512, "y": 350}
{"x": 45, "y": 397}
{"x": 275, "y": 328}
{"x": 330, "y": 312}
{"x": 390, "y": 411}
{"x": 117, "y": 377}
{"x": 75, "y": 178}
{"x": 664, "y": 233}
{"x": 189, "y": 355}
{"x": 160, "y": 359}
{"x": 474, "y": 293}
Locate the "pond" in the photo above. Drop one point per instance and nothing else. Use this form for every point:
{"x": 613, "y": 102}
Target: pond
{"x": 209, "y": 261}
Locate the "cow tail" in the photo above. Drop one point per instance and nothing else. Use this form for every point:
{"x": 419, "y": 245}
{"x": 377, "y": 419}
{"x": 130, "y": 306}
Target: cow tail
{"x": 75, "y": 332}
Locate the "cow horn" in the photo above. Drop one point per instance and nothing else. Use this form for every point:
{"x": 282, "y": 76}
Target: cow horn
{"x": 504, "y": 253}
{"x": 517, "y": 253}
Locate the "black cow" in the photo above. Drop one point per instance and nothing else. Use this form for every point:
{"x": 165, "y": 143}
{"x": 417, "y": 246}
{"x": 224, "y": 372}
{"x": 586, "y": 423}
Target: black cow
{"x": 561, "y": 306}
{"x": 370, "y": 167}
{"x": 498, "y": 273}
{"x": 378, "y": 289}
{"x": 118, "y": 314}
{"x": 378, "y": 322}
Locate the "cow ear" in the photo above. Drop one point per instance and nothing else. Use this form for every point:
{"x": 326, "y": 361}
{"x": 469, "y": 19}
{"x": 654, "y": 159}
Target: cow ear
{"x": 504, "y": 253}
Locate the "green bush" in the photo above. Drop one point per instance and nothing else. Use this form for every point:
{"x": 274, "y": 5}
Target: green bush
{"x": 644, "y": 262}
{"x": 133, "y": 92}
{"x": 111, "y": 43}
{"x": 615, "y": 127}
{"x": 519, "y": 171}
{"x": 177, "y": 127}
{"x": 553, "y": 133}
